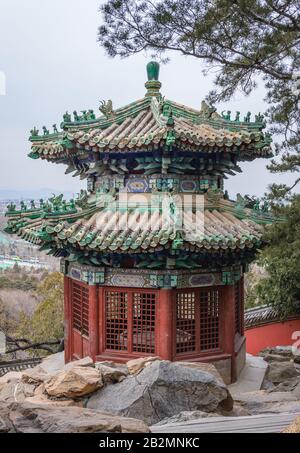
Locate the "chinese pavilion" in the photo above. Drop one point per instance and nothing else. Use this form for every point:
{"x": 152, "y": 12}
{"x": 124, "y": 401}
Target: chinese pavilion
{"x": 154, "y": 251}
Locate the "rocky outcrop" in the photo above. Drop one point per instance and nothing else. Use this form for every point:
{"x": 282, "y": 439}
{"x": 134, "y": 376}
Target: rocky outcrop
{"x": 43, "y": 399}
{"x": 186, "y": 416}
{"x": 16, "y": 391}
{"x": 111, "y": 372}
{"x": 162, "y": 390}
{"x": 35, "y": 376}
{"x": 75, "y": 382}
{"x": 31, "y": 418}
{"x": 263, "y": 402}
{"x": 135, "y": 366}
{"x": 279, "y": 372}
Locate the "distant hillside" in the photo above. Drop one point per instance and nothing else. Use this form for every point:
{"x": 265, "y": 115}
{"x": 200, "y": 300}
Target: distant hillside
{"x": 18, "y": 194}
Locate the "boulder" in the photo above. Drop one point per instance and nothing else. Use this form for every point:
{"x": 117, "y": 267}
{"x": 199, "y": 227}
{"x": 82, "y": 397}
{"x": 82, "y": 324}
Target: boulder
{"x": 5, "y": 425}
{"x": 44, "y": 400}
{"x": 287, "y": 386}
{"x": 294, "y": 427}
{"x": 75, "y": 382}
{"x": 262, "y": 402}
{"x": 53, "y": 363}
{"x": 137, "y": 365}
{"x": 28, "y": 418}
{"x": 277, "y": 358}
{"x": 16, "y": 391}
{"x": 202, "y": 366}
{"x": 35, "y": 375}
{"x": 284, "y": 351}
{"x": 280, "y": 372}
{"x": 186, "y": 416}
{"x": 12, "y": 376}
{"x": 111, "y": 372}
{"x": 85, "y": 362}
{"x": 162, "y": 390}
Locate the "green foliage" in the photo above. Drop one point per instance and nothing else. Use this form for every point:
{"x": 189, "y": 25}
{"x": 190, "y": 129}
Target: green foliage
{"x": 47, "y": 321}
{"x": 281, "y": 259}
{"x": 239, "y": 40}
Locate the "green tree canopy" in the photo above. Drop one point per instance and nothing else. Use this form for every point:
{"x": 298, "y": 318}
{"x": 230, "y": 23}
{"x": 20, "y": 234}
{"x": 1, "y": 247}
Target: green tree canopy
{"x": 239, "y": 38}
{"x": 282, "y": 261}
{"x": 46, "y": 323}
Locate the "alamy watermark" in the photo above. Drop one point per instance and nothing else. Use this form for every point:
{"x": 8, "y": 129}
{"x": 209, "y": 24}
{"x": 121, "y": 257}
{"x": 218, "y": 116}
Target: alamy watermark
{"x": 2, "y": 84}
{"x": 162, "y": 212}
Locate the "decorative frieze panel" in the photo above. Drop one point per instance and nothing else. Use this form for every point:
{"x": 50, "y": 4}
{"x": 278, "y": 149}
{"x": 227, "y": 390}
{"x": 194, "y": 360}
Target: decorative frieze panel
{"x": 149, "y": 278}
{"x": 86, "y": 274}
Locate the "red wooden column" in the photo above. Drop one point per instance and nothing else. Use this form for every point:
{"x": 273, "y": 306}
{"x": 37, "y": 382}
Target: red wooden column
{"x": 67, "y": 319}
{"x": 228, "y": 316}
{"x": 101, "y": 319}
{"x": 164, "y": 325}
{"x": 93, "y": 321}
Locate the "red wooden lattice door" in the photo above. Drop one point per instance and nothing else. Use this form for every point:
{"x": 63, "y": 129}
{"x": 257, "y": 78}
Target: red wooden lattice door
{"x": 198, "y": 321}
{"x": 130, "y": 321}
{"x": 80, "y": 319}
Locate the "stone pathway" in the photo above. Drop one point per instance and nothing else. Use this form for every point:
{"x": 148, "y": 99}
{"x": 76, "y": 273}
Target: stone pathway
{"x": 267, "y": 423}
{"x": 252, "y": 376}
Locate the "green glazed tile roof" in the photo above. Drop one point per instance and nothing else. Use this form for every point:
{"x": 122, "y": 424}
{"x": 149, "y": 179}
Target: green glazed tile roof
{"x": 152, "y": 122}
{"x": 137, "y": 230}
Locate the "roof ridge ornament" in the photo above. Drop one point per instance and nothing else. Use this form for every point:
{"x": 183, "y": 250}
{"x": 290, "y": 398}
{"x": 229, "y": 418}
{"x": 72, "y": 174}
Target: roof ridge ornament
{"x": 153, "y": 85}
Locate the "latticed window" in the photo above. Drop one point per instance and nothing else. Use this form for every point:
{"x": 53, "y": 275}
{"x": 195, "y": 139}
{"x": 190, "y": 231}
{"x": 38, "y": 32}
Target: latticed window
{"x": 209, "y": 320}
{"x": 144, "y": 322}
{"x": 185, "y": 322}
{"x": 197, "y": 321}
{"x": 130, "y": 321}
{"x": 80, "y": 308}
{"x": 238, "y": 295}
{"x": 116, "y": 309}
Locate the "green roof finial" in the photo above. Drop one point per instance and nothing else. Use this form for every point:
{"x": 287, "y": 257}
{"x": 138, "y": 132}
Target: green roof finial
{"x": 153, "y": 85}
{"x": 153, "y": 70}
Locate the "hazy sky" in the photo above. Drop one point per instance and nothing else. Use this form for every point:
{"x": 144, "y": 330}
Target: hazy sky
{"x": 53, "y": 63}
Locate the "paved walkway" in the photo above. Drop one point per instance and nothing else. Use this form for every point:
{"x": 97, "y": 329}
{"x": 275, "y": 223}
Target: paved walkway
{"x": 251, "y": 377}
{"x": 267, "y": 423}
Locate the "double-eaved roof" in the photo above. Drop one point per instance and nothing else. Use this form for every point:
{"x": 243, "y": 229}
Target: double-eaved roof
{"x": 220, "y": 226}
{"x": 183, "y": 149}
{"x": 150, "y": 123}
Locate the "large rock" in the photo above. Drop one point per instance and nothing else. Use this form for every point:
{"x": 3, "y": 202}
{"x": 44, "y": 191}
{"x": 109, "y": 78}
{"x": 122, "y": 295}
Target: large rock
{"x": 5, "y": 424}
{"x": 12, "y": 376}
{"x": 287, "y": 386}
{"x": 262, "y": 402}
{"x": 186, "y": 416}
{"x": 76, "y": 382}
{"x": 135, "y": 366}
{"x": 16, "y": 391}
{"x": 85, "y": 362}
{"x": 281, "y": 371}
{"x": 35, "y": 376}
{"x": 277, "y": 358}
{"x": 28, "y": 418}
{"x": 162, "y": 390}
{"x": 202, "y": 366}
{"x": 111, "y": 372}
{"x": 53, "y": 363}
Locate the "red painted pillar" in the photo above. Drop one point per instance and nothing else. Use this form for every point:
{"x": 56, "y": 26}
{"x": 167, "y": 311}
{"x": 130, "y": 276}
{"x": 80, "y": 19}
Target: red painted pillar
{"x": 101, "y": 319}
{"x": 93, "y": 321}
{"x": 67, "y": 320}
{"x": 228, "y": 315}
{"x": 164, "y": 329}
